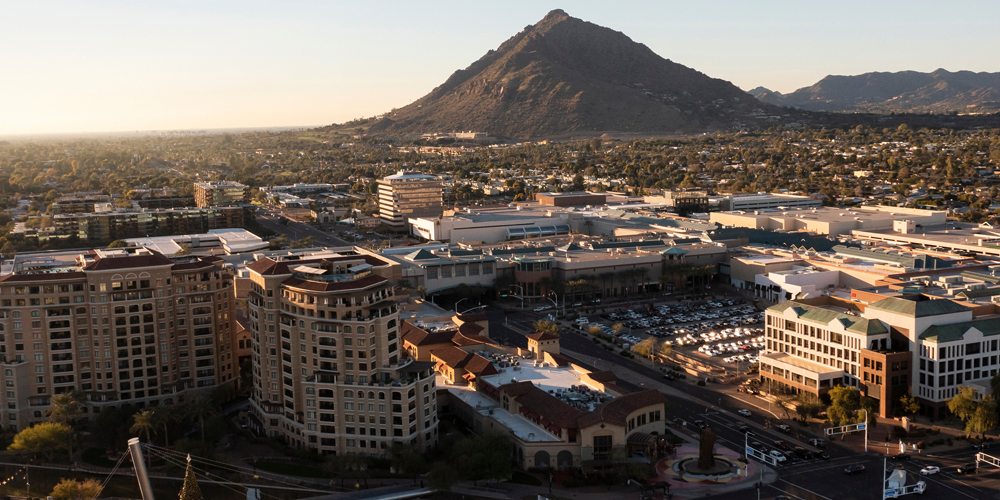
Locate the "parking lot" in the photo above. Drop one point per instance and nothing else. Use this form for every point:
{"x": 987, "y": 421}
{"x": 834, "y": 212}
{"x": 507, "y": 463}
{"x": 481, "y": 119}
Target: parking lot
{"x": 715, "y": 328}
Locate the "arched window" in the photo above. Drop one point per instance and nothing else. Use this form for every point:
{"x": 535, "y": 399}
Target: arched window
{"x": 348, "y": 394}
{"x": 347, "y": 328}
{"x": 361, "y": 330}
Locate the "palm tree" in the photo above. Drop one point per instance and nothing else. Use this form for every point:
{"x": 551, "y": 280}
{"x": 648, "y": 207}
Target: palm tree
{"x": 200, "y": 409}
{"x": 65, "y": 409}
{"x": 165, "y": 416}
{"x": 144, "y": 422}
{"x": 606, "y": 278}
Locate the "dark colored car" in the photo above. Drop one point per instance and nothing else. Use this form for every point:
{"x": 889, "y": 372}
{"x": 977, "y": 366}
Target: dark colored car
{"x": 803, "y": 453}
{"x": 970, "y": 468}
{"x": 784, "y": 428}
{"x": 823, "y": 455}
{"x": 854, "y": 469}
{"x": 901, "y": 456}
{"x": 746, "y": 430}
{"x": 700, "y": 424}
{"x": 819, "y": 443}
{"x": 781, "y": 445}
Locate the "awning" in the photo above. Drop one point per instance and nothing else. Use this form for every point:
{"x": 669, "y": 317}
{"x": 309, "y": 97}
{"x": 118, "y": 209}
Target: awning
{"x": 640, "y": 438}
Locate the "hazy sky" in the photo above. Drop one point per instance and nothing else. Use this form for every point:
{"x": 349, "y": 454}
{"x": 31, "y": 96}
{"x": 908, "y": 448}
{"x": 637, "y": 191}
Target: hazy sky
{"x": 116, "y": 66}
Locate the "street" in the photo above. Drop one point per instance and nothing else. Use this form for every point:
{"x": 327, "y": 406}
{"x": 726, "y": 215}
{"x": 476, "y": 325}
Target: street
{"x": 297, "y": 230}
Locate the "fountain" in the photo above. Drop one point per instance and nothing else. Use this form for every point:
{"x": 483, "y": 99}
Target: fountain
{"x": 707, "y": 465}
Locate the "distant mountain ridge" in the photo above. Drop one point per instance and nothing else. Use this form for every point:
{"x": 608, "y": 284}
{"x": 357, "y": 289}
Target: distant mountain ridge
{"x": 567, "y": 76}
{"x": 940, "y": 91}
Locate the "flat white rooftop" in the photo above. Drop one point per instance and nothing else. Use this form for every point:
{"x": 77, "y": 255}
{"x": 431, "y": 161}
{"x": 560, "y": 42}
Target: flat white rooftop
{"x": 523, "y": 428}
{"x": 232, "y": 240}
{"x": 544, "y": 377}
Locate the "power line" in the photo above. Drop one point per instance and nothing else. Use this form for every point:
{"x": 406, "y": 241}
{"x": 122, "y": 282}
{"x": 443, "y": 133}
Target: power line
{"x": 121, "y": 460}
{"x": 234, "y": 468}
{"x": 208, "y": 475}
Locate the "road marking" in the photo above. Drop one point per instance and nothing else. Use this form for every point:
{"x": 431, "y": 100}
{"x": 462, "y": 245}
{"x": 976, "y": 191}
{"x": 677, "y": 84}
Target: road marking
{"x": 803, "y": 489}
{"x": 783, "y": 492}
{"x": 929, "y": 478}
{"x": 837, "y": 466}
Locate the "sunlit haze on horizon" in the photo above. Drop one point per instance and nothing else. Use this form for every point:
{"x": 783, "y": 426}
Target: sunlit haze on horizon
{"x": 123, "y": 66}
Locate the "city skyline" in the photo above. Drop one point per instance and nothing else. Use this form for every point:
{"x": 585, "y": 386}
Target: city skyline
{"x": 111, "y": 66}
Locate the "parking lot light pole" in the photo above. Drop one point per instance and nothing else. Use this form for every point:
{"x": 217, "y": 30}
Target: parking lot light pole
{"x": 519, "y": 287}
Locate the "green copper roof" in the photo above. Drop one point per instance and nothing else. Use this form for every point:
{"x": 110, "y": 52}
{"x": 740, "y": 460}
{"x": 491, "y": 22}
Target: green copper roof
{"x": 982, "y": 292}
{"x": 674, "y": 250}
{"x": 855, "y": 324}
{"x": 956, "y": 331}
{"x": 918, "y": 308}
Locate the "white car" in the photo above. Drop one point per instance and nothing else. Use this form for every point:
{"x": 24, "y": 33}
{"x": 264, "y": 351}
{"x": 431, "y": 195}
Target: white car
{"x": 582, "y": 320}
{"x": 930, "y": 469}
{"x": 542, "y": 308}
{"x": 777, "y": 455}
{"x": 743, "y": 411}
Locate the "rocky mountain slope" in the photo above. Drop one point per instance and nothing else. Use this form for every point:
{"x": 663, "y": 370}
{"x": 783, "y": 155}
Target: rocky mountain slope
{"x": 567, "y": 76}
{"x": 904, "y": 92}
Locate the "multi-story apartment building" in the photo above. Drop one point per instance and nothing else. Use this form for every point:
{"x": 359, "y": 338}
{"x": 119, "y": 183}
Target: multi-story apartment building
{"x": 887, "y": 346}
{"x": 329, "y": 370}
{"x": 123, "y": 326}
{"x": 220, "y": 193}
{"x": 408, "y": 195}
{"x": 130, "y": 223}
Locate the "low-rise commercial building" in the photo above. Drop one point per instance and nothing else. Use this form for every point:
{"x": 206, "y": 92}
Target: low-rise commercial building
{"x": 129, "y": 223}
{"x": 832, "y": 221}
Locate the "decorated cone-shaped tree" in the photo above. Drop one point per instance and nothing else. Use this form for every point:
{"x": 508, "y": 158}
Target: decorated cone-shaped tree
{"x": 190, "y": 490}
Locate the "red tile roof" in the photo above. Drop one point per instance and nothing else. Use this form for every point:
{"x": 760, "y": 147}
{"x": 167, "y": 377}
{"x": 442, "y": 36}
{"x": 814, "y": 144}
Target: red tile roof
{"x": 417, "y": 336}
{"x": 545, "y": 405}
{"x": 473, "y": 317}
{"x": 451, "y": 356}
{"x": 327, "y": 286}
{"x": 618, "y": 409}
{"x": 133, "y": 261}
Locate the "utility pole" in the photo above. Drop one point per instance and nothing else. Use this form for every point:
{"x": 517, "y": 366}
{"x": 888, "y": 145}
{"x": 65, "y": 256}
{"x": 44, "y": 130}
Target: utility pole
{"x": 135, "y": 447}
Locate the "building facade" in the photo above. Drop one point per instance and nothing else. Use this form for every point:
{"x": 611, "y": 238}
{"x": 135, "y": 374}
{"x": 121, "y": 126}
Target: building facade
{"x": 128, "y": 223}
{"x": 122, "y": 326}
{"x": 329, "y": 370}
{"x": 408, "y": 195}
{"x": 220, "y": 193}
{"x": 886, "y": 346}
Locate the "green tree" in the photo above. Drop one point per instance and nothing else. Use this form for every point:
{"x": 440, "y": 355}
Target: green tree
{"x": 963, "y": 405}
{"x": 46, "y": 438}
{"x": 201, "y": 409}
{"x": 118, "y": 244}
{"x": 406, "y": 459}
{"x": 546, "y": 326}
{"x": 984, "y": 419}
{"x": 442, "y": 476}
{"x": 844, "y": 404}
{"x": 165, "y": 416}
{"x": 71, "y": 489}
{"x": 908, "y": 405}
{"x": 66, "y": 407}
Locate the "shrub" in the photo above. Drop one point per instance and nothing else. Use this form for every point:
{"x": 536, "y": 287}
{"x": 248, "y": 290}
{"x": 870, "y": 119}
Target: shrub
{"x": 935, "y": 430}
{"x": 898, "y": 431}
{"x": 701, "y": 383}
{"x": 949, "y": 442}
{"x": 920, "y": 445}
{"x": 624, "y": 353}
{"x": 521, "y": 477}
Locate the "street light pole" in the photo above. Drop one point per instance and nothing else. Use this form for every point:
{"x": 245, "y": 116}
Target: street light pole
{"x": 459, "y": 302}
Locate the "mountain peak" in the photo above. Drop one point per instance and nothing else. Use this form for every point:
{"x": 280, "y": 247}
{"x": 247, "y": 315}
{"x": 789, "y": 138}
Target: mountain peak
{"x": 566, "y": 76}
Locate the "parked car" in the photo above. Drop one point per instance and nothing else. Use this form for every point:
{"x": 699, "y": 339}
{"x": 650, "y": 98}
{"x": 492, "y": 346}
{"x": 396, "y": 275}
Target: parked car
{"x": 854, "y": 469}
{"x": 930, "y": 470}
{"x": 743, "y": 411}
